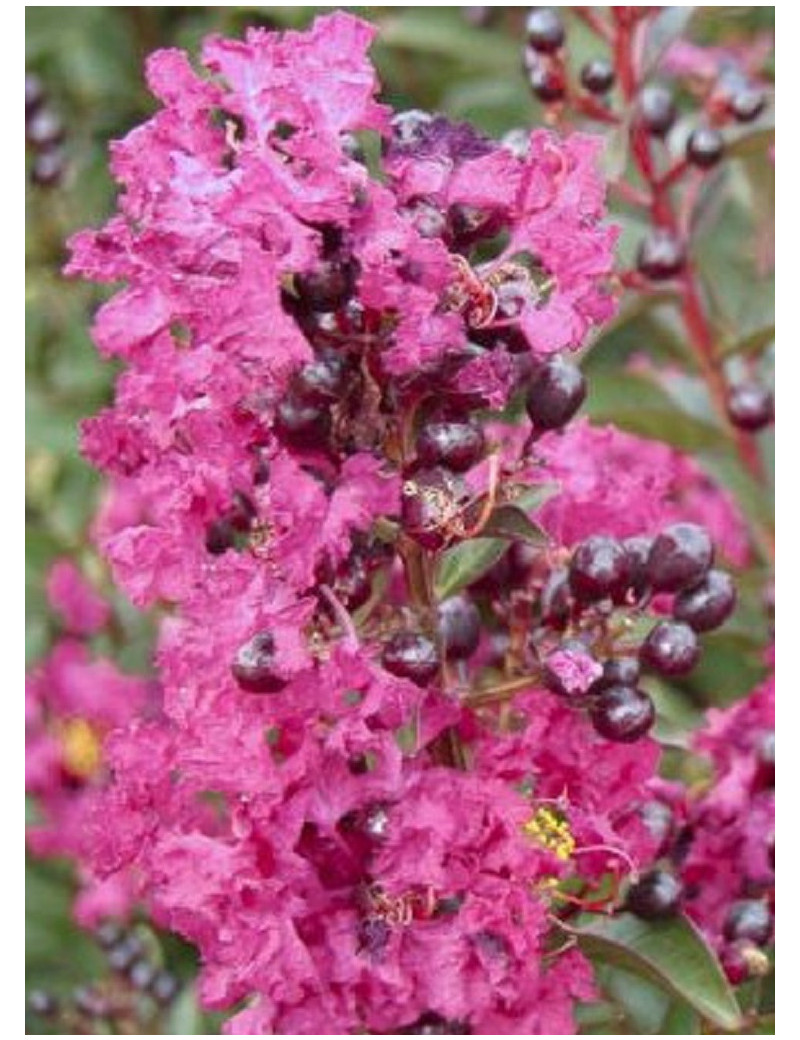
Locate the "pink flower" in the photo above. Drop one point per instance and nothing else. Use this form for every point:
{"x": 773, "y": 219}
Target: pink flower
{"x": 81, "y": 608}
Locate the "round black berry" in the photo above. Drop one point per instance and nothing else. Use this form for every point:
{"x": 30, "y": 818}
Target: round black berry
{"x": 48, "y": 168}
{"x": 108, "y": 934}
{"x": 40, "y": 1001}
{"x": 597, "y": 76}
{"x": 254, "y": 667}
{"x": 637, "y": 551}
{"x": 411, "y": 655}
{"x": 656, "y": 896}
{"x": 545, "y": 30}
{"x": 661, "y": 255}
{"x": 680, "y": 557}
{"x": 328, "y": 286}
{"x": 163, "y": 988}
{"x": 765, "y": 761}
{"x": 141, "y": 974}
{"x": 352, "y": 582}
{"x": 620, "y": 671}
{"x": 597, "y": 569}
{"x": 622, "y": 714}
{"x": 751, "y": 406}
{"x": 704, "y": 147}
{"x": 557, "y": 391}
{"x": 323, "y": 380}
{"x": 657, "y": 109}
{"x": 44, "y": 129}
{"x": 456, "y": 445}
{"x": 748, "y": 919}
{"x": 89, "y": 1002}
{"x": 547, "y": 81}
{"x": 555, "y": 600}
{"x": 747, "y": 104}
{"x": 460, "y": 627}
{"x": 34, "y": 96}
{"x": 670, "y": 648}
{"x": 432, "y": 500}
{"x": 707, "y": 605}
{"x": 302, "y": 425}
{"x": 122, "y": 954}
{"x": 219, "y": 537}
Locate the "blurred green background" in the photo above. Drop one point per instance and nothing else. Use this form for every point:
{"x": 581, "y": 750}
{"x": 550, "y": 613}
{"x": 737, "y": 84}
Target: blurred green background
{"x": 465, "y": 62}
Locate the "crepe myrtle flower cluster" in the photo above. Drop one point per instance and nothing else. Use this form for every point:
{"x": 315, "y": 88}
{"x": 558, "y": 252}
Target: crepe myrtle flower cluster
{"x": 670, "y": 149}
{"x": 373, "y": 771}
{"x": 716, "y": 843}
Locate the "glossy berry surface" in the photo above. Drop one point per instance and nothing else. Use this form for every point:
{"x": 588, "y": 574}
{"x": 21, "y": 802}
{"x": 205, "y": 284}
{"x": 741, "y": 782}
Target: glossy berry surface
{"x": 411, "y": 655}
{"x": 656, "y": 896}
{"x": 747, "y": 104}
{"x": 545, "y": 30}
{"x": 546, "y": 81}
{"x": 749, "y": 919}
{"x": 637, "y": 550}
{"x": 254, "y": 667}
{"x": 459, "y": 627}
{"x": 671, "y": 648}
{"x": 680, "y": 557}
{"x": 661, "y": 255}
{"x": 620, "y": 671}
{"x": 164, "y": 987}
{"x": 555, "y": 394}
{"x": 44, "y": 129}
{"x": 751, "y": 406}
{"x": 622, "y": 714}
{"x": 432, "y": 501}
{"x": 704, "y": 147}
{"x": 597, "y": 569}
{"x": 456, "y": 445}
{"x": 657, "y": 109}
{"x": 708, "y": 605}
{"x": 597, "y": 76}
{"x": 301, "y": 424}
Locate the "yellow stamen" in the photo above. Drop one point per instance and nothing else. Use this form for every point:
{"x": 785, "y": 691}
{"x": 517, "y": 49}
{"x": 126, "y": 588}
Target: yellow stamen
{"x": 80, "y": 745}
{"x": 552, "y": 832}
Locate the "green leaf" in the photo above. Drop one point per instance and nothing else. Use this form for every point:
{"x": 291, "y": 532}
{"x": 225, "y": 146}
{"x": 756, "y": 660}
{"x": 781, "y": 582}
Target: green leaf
{"x": 429, "y": 31}
{"x": 752, "y": 344}
{"x": 509, "y": 521}
{"x": 670, "y": 953}
{"x": 465, "y": 563}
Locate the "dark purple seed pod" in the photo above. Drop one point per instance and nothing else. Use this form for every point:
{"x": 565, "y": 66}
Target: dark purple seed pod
{"x": 659, "y": 819}
{"x": 751, "y": 406}
{"x": 108, "y": 934}
{"x": 671, "y": 648}
{"x": 707, "y": 605}
{"x": 323, "y": 380}
{"x": 122, "y": 954}
{"x": 43, "y": 1003}
{"x": 34, "y": 97}
{"x": 547, "y": 81}
{"x": 459, "y": 627}
{"x": 747, "y": 104}
{"x": 48, "y": 168}
{"x": 620, "y": 671}
{"x": 555, "y": 394}
{"x": 637, "y": 551}
{"x": 680, "y": 557}
{"x": 656, "y": 109}
{"x": 765, "y": 761}
{"x": 219, "y": 537}
{"x": 661, "y": 255}
{"x": 597, "y": 76}
{"x": 44, "y": 129}
{"x": 411, "y": 655}
{"x": 302, "y": 425}
{"x": 433, "y": 499}
{"x": 545, "y": 30}
{"x": 254, "y": 668}
{"x": 656, "y": 896}
{"x": 456, "y": 445}
{"x": 163, "y": 988}
{"x": 748, "y": 919}
{"x": 622, "y": 714}
{"x": 597, "y": 569}
{"x": 141, "y": 974}
{"x": 89, "y": 1002}
{"x": 352, "y": 583}
{"x": 705, "y": 147}
{"x": 328, "y": 287}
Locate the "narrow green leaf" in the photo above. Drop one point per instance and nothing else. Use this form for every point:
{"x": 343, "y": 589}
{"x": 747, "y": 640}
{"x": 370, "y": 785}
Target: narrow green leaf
{"x": 752, "y": 344}
{"x": 512, "y": 522}
{"x": 465, "y": 563}
{"x": 670, "y": 953}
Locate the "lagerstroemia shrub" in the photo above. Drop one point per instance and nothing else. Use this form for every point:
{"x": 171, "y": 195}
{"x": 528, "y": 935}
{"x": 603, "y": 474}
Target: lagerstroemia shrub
{"x": 414, "y": 610}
